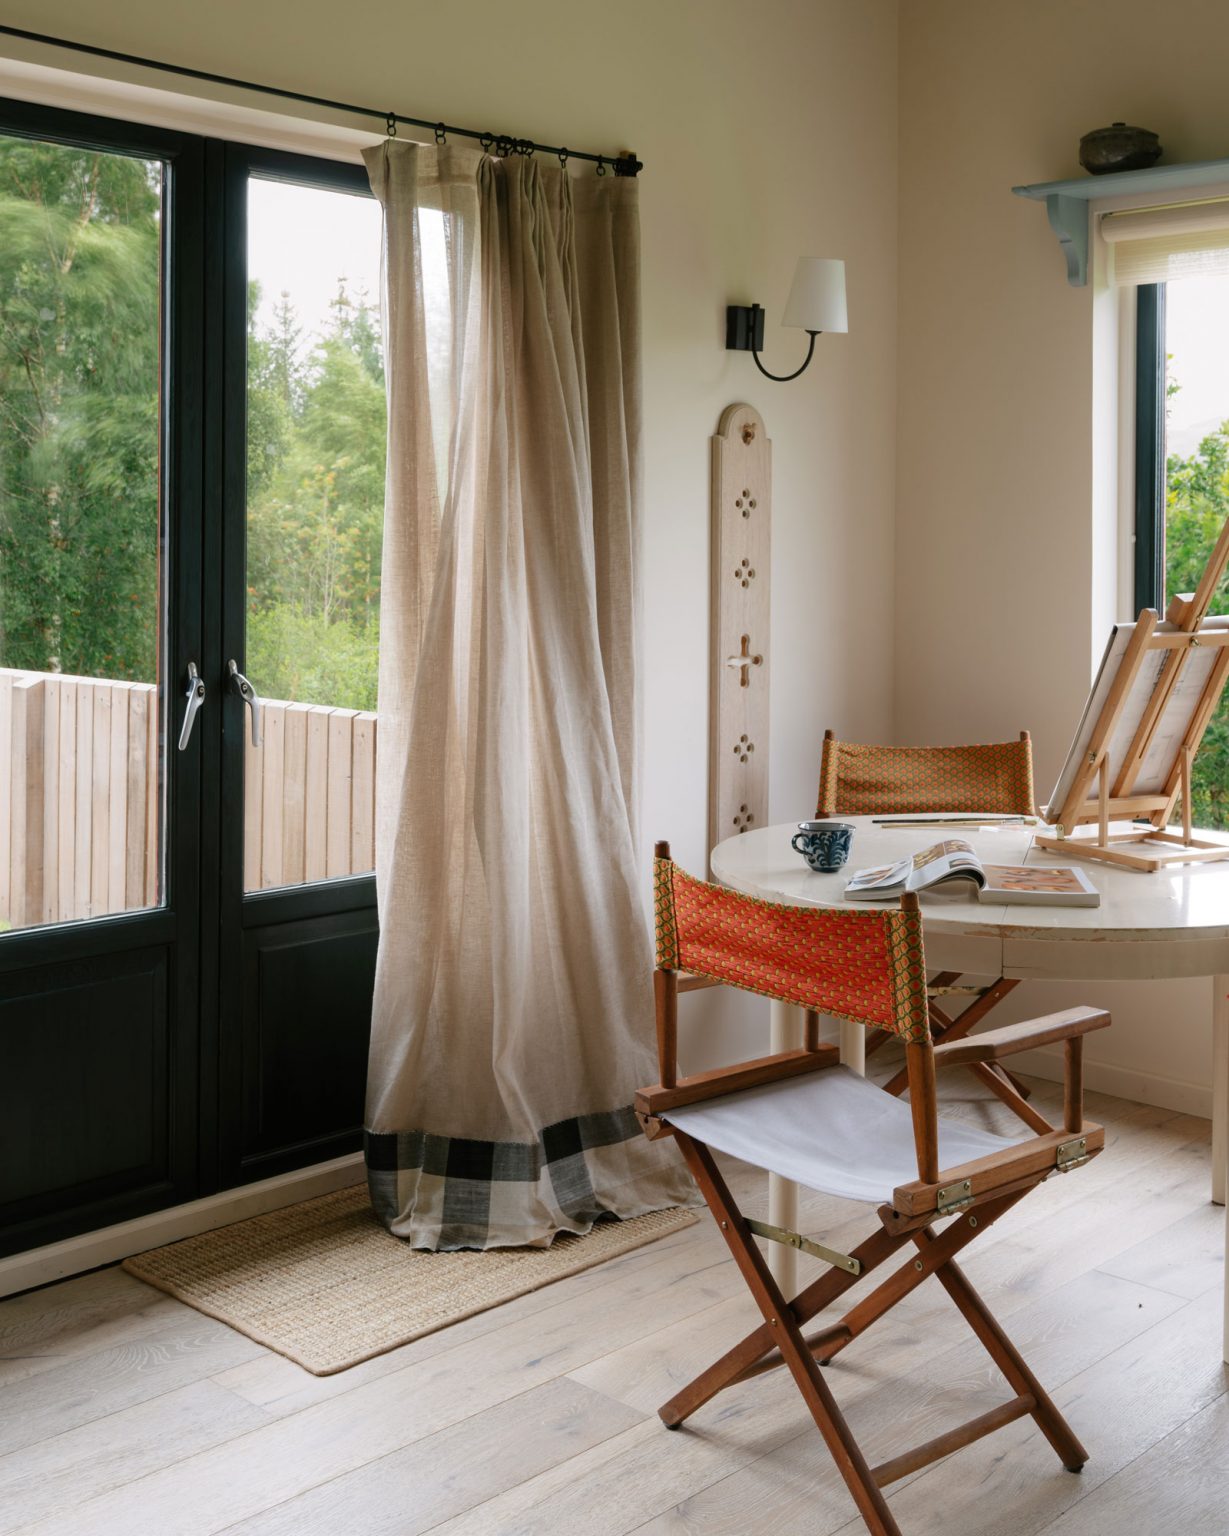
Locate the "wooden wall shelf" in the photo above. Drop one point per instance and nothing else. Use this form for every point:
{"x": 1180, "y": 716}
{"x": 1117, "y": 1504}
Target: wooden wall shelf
{"x": 1067, "y": 201}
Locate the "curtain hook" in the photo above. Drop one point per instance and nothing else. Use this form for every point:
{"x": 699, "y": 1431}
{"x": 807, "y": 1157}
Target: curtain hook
{"x": 488, "y": 142}
{"x": 528, "y": 148}
{"x": 563, "y": 157}
{"x": 601, "y": 165}
{"x": 441, "y": 136}
{"x": 390, "y": 125}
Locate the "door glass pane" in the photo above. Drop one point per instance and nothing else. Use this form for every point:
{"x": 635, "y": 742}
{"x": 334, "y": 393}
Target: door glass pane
{"x": 1197, "y": 486}
{"x": 81, "y": 616}
{"x": 315, "y": 513}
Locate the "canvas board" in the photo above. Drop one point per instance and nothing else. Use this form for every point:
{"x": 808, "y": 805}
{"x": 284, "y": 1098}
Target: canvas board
{"x": 1171, "y": 728}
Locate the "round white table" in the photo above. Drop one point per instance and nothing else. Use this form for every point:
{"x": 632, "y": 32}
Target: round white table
{"x": 1170, "y": 924}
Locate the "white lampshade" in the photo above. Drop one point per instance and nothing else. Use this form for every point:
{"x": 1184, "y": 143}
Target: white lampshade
{"x": 817, "y": 299}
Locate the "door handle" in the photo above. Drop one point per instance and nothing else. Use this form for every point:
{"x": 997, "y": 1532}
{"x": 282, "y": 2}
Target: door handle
{"x": 249, "y": 696}
{"x": 195, "y": 697}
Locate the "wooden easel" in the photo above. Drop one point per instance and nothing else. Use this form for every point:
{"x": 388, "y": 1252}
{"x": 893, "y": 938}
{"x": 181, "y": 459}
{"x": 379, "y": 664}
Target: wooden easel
{"x": 1101, "y": 790}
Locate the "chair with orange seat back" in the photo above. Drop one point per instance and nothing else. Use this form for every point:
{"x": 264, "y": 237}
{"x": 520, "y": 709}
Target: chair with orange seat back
{"x": 801, "y": 1115}
{"x": 993, "y": 778}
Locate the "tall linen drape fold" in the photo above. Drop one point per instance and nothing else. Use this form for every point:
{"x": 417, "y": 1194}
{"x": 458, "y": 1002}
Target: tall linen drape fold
{"x": 512, "y": 1008}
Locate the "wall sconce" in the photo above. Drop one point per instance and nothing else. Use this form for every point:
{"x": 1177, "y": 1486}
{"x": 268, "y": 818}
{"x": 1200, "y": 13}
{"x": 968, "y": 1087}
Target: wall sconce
{"x": 816, "y": 303}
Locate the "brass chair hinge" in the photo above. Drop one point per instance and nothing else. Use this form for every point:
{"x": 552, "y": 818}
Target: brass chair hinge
{"x": 1070, "y": 1154}
{"x": 954, "y": 1197}
{"x": 843, "y": 1261}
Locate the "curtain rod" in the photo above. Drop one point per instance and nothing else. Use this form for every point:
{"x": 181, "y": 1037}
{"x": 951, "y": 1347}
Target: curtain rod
{"x": 623, "y": 164}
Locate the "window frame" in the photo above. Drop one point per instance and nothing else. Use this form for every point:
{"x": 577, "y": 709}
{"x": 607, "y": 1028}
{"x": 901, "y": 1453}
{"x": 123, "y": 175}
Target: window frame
{"x": 1149, "y": 577}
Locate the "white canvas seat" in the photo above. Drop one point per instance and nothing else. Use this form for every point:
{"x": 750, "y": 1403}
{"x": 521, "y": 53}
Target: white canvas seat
{"x": 833, "y": 1131}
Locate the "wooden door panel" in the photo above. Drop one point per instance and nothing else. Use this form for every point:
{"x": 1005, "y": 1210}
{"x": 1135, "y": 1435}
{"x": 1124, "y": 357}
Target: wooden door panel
{"x": 307, "y": 988}
{"x": 88, "y": 1133}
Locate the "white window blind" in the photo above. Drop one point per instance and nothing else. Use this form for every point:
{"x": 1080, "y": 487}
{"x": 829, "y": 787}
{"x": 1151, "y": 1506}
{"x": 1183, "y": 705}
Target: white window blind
{"x": 1162, "y": 245}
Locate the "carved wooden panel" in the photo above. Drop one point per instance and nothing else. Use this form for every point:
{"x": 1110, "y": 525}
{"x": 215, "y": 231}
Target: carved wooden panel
{"x": 740, "y": 551}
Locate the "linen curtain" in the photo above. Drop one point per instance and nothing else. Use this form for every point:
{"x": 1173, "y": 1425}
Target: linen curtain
{"x": 513, "y": 1008}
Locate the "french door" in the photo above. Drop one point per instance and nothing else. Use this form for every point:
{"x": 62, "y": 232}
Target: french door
{"x": 187, "y": 568}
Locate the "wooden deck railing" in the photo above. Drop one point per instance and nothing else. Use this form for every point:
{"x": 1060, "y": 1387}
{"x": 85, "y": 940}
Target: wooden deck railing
{"x": 79, "y": 797}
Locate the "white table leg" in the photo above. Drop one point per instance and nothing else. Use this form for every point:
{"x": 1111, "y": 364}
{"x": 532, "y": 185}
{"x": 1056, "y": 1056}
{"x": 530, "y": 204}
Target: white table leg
{"x": 853, "y": 1047}
{"x": 1220, "y": 1087}
{"x": 1225, "y": 1345}
{"x": 1220, "y": 1117}
{"x": 786, "y": 1025}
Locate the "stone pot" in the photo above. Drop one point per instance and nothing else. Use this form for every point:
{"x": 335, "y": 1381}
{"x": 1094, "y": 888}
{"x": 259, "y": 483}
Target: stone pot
{"x": 1119, "y": 148}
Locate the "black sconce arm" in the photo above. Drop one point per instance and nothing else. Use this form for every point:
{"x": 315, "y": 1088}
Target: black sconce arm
{"x": 744, "y": 332}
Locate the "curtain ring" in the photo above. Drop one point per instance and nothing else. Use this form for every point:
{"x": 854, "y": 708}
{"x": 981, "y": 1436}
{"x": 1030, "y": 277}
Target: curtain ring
{"x": 441, "y": 136}
{"x": 487, "y": 141}
{"x": 528, "y": 148}
{"x": 563, "y": 157}
{"x": 601, "y": 165}
{"x": 390, "y": 125}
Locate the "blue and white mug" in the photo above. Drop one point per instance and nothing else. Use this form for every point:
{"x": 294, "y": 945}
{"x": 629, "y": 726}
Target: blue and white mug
{"x": 824, "y": 845}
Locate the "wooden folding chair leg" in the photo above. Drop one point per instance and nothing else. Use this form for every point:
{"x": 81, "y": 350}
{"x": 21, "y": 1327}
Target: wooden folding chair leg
{"x": 779, "y": 1316}
{"x": 1008, "y": 1358}
{"x": 747, "y": 1356}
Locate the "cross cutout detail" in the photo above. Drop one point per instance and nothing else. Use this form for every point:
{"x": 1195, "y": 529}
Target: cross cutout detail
{"x": 744, "y": 661}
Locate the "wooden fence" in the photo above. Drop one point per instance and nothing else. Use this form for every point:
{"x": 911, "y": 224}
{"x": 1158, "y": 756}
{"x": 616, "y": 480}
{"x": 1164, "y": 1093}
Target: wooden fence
{"x": 80, "y": 795}
{"x": 309, "y": 811}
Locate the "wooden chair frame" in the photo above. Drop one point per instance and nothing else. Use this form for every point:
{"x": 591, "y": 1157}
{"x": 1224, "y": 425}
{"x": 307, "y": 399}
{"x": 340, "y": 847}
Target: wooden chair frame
{"x": 976, "y": 1193}
{"x": 947, "y": 1027}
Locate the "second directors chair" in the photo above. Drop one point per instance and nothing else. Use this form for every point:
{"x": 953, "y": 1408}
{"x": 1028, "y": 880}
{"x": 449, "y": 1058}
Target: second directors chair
{"x": 993, "y": 779}
{"x": 801, "y": 1115}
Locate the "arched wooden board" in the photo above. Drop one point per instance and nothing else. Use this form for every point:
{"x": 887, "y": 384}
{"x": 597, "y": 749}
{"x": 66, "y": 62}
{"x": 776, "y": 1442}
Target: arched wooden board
{"x": 740, "y": 552}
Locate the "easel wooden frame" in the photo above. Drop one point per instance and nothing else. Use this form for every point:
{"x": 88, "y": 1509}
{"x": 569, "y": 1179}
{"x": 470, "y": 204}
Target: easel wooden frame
{"x": 1102, "y": 791}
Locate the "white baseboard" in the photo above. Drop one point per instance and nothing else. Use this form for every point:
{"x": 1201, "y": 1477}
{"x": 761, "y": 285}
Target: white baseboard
{"x": 1143, "y": 1087}
{"x": 40, "y": 1266}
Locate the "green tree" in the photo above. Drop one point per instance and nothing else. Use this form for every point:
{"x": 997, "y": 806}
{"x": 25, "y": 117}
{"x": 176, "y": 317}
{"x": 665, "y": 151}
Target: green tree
{"x": 79, "y": 390}
{"x": 316, "y": 507}
{"x": 1196, "y": 509}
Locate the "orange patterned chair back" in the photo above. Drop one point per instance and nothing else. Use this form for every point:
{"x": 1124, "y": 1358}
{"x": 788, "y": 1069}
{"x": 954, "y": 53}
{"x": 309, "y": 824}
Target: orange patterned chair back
{"x": 856, "y": 780}
{"x": 863, "y": 966}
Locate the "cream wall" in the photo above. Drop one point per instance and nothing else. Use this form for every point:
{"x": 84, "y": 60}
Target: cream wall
{"x": 1006, "y": 457}
{"x": 768, "y": 132}
{"x": 771, "y": 133}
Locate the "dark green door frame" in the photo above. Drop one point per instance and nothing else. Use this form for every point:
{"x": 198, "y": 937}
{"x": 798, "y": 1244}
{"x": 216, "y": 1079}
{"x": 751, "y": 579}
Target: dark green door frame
{"x": 1150, "y": 447}
{"x": 100, "y": 1020}
{"x": 227, "y": 1035}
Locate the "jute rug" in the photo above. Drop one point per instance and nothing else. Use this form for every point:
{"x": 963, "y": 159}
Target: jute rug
{"x": 324, "y": 1284}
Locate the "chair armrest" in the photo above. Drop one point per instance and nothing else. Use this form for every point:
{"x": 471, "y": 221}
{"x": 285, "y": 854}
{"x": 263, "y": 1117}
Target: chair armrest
{"x": 996, "y": 1043}
{"x": 656, "y": 1100}
{"x": 1020, "y": 1165}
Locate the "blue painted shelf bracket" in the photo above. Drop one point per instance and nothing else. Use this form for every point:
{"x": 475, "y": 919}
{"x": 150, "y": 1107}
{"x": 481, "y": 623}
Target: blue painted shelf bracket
{"x": 1067, "y": 202}
{"x": 1069, "y": 221}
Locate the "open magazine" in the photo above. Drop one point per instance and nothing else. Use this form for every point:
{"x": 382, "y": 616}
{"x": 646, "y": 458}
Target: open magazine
{"x": 953, "y": 859}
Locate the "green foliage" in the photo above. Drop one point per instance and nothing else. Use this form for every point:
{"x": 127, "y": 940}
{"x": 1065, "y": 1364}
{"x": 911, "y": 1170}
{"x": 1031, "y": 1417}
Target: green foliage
{"x": 315, "y": 508}
{"x": 79, "y": 365}
{"x": 79, "y": 446}
{"x": 304, "y": 656}
{"x": 1196, "y": 509}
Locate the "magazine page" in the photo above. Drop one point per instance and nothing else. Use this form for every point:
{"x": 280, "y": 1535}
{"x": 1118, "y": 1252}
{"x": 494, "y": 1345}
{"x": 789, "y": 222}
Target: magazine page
{"x": 1038, "y": 886}
{"x": 880, "y": 882}
{"x": 952, "y": 859}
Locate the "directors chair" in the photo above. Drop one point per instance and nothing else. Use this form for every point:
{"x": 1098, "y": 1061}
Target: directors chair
{"x": 801, "y": 1115}
{"x": 993, "y": 779}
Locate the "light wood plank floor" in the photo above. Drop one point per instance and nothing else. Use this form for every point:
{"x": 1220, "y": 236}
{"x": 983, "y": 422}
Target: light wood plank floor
{"x": 123, "y": 1411}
